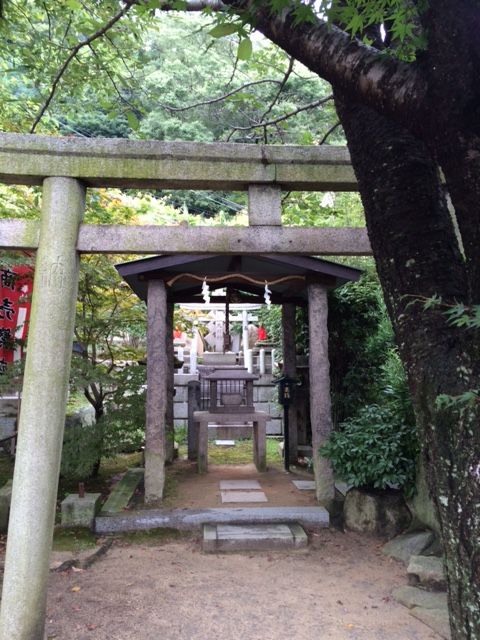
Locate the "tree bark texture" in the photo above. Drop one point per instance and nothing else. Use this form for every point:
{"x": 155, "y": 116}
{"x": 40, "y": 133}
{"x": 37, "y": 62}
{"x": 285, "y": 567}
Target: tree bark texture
{"x": 404, "y": 122}
{"x": 418, "y": 256}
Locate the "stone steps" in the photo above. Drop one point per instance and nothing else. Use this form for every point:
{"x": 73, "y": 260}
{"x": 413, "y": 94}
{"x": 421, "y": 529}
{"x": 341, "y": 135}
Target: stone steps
{"x": 253, "y": 537}
{"x": 425, "y": 573}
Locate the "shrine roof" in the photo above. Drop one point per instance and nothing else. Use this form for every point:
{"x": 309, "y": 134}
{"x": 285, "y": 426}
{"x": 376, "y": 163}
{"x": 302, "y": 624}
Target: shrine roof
{"x": 287, "y": 276}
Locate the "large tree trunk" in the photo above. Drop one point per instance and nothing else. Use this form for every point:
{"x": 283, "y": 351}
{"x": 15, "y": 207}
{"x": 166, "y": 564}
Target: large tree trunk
{"x": 418, "y": 256}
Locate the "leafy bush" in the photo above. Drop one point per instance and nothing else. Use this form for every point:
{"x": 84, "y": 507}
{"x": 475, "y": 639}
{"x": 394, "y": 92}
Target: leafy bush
{"x": 124, "y": 421}
{"x": 82, "y": 445}
{"x": 360, "y": 338}
{"x": 375, "y": 449}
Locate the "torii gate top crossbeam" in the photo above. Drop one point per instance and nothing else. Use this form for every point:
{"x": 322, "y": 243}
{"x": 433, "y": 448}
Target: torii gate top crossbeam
{"x": 106, "y": 162}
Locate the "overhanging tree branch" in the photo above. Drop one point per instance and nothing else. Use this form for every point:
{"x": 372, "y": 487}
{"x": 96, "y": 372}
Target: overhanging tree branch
{"x": 395, "y": 87}
{"x": 285, "y": 116}
{"x": 329, "y": 132}
{"x": 280, "y": 88}
{"x": 73, "y": 53}
{"x": 193, "y": 5}
{"x": 220, "y": 98}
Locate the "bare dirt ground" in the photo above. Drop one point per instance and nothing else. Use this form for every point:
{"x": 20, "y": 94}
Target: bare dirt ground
{"x": 338, "y": 590}
{"x": 193, "y": 491}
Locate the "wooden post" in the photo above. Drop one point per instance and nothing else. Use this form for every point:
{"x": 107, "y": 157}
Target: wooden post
{"x": 320, "y": 401}
{"x": 157, "y": 373}
{"x": 170, "y": 350}
{"x": 42, "y": 418}
{"x": 290, "y": 370}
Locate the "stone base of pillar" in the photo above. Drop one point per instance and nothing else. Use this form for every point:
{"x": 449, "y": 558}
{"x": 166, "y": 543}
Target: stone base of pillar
{"x": 324, "y": 481}
{"x": 154, "y": 476}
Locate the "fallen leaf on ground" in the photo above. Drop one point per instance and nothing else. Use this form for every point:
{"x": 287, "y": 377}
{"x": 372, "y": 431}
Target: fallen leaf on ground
{"x": 76, "y": 589}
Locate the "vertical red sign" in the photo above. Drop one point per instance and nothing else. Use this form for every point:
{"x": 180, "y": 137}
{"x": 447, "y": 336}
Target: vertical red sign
{"x": 15, "y": 291}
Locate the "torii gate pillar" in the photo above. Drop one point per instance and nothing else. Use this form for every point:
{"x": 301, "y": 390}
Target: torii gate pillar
{"x": 42, "y": 417}
{"x": 157, "y": 385}
{"x": 320, "y": 400}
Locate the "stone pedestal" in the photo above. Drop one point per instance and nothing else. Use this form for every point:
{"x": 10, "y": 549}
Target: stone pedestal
{"x": 80, "y": 512}
{"x": 259, "y": 419}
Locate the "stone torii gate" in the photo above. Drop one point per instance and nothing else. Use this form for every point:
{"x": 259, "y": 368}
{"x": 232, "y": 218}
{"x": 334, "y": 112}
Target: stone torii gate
{"x": 65, "y": 167}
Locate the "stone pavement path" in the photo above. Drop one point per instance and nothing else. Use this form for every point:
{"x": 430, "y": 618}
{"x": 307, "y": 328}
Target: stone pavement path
{"x": 241, "y": 491}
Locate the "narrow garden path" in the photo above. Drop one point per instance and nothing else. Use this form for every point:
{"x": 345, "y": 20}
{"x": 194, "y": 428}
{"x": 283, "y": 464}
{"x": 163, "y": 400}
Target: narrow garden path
{"x": 148, "y": 587}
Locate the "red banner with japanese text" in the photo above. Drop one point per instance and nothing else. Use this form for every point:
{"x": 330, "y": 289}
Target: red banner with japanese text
{"x": 16, "y": 284}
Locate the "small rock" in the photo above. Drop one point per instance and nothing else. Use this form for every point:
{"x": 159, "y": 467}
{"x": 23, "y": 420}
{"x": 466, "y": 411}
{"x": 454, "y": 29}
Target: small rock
{"x": 427, "y": 571}
{"x": 409, "y": 544}
{"x": 436, "y": 619}
{"x": 413, "y": 597}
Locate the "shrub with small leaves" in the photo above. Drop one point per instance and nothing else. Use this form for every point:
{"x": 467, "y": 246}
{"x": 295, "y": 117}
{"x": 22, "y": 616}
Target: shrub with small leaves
{"x": 375, "y": 449}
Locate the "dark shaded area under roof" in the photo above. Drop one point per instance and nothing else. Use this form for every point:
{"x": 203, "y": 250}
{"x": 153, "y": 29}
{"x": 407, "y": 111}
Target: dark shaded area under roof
{"x": 245, "y": 276}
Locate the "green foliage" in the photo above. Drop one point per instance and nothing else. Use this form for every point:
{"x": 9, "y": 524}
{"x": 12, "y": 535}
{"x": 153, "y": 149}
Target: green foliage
{"x": 376, "y": 445}
{"x": 303, "y": 209}
{"x": 360, "y": 341}
{"x": 17, "y": 201}
{"x": 464, "y": 317}
{"x": 401, "y": 20}
{"x": 464, "y": 400}
{"x": 124, "y": 421}
{"x": 82, "y": 445}
{"x": 374, "y": 449}
{"x": 461, "y": 315}
{"x": 40, "y": 35}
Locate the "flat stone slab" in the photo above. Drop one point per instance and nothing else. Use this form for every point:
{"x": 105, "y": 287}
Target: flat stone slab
{"x": 241, "y": 485}
{"x": 123, "y": 491}
{"x": 253, "y": 537}
{"x": 243, "y": 496}
{"x": 405, "y": 546}
{"x": 436, "y": 619}
{"x": 427, "y": 571}
{"x": 194, "y": 519}
{"x": 413, "y": 597}
{"x": 304, "y": 485}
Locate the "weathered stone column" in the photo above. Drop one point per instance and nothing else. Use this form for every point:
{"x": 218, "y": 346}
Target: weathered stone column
{"x": 157, "y": 373}
{"x": 194, "y": 401}
{"x": 320, "y": 401}
{"x": 169, "y": 420}
{"x": 42, "y": 417}
{"x": 290, "y": 369}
